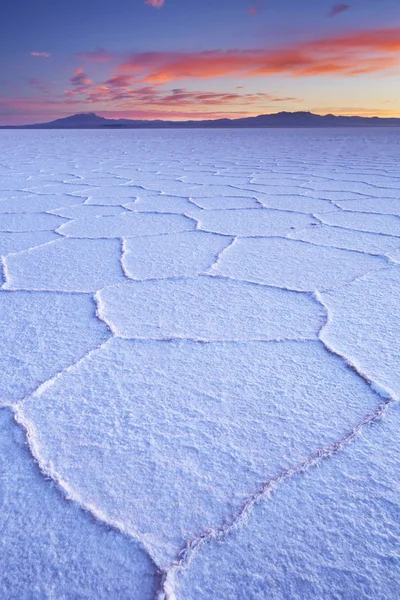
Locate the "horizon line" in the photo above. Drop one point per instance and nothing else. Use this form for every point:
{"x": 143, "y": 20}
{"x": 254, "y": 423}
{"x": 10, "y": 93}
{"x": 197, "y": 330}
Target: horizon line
{"x": 199, "y": 120}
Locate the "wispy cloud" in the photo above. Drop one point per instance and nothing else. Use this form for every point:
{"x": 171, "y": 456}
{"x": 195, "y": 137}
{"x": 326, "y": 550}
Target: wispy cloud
{"x": 118, "y": 91}
{"x": 256, "y": 7}
{"x": 41, "y": 54}
{"x": 338, "y": 8}
{"x": 39, "y": 85}
{"x": 97, "y": 56}
{"x": 144, "y": 102}
{"x": 119, "y": 81}
{"x": 155, "y": 3}
{"x": 181, "y": 97}
{"x": 80, "y": 78}
{"x": 359, "y": 52}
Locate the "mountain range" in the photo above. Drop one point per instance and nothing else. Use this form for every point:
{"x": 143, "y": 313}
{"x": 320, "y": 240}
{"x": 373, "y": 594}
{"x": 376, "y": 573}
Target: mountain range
{"x": 281, "y": 119}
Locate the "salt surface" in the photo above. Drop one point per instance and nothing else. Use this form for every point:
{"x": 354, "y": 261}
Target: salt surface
{"x": 66, "y": 265}
{"x": 172, "y": 437}
{"x": 293, "y": 264}
{"x": 176, "y": 255}
{"x": 190, "y": 321}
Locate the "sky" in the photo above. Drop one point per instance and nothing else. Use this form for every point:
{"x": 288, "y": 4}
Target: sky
{"x": 181, "y": 59}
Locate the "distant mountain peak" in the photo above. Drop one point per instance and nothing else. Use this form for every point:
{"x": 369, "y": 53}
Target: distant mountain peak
{"x": 299, "y": 119}
{"x": 89, "y": 118}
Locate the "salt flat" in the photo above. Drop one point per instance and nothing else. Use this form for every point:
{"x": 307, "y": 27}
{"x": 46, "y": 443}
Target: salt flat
{"x": 200, "y": 357}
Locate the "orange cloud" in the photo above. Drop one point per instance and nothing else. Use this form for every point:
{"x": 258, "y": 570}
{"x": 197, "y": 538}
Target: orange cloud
{"x": 359, "y": 52}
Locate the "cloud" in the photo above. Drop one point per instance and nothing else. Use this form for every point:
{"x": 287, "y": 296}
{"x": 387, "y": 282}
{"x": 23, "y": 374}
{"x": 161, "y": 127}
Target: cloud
{"x": 39, "y": 85}
{"x": 136, "y": 85}
{"x": 120, "y": 80}
{"x": 182, "y": 97}
{"x": 41, "y": 54}
{"x": 144, "y": 102}
{"x": 117, "y": 92}
{"x": 97, "y": 56}
{"x": 80, "y": 78}
{"x": 338, "y": 8}
{"x": 257, "y": 6}
{"x": 365, "y": 51}
{"x": 155, "y": 3}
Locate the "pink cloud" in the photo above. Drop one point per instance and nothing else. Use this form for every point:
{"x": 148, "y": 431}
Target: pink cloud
{"x": 121, "y": 80}
{"x": 41, "y": 54}
{"x": 155, "y": 3}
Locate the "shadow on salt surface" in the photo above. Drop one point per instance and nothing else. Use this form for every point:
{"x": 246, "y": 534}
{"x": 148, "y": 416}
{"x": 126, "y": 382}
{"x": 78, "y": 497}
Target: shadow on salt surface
{"x": 103, "y": 179}
{"x": 127, "y": 225}
{"x": 172, "y": 437}
{"x": 111, "y": 195}
{"x": 219, "y": 201}
{"x": 386, "y": 224}
{"x": 364, "y": 325}
{"x": 181, "y": 188}
{"x": 69, "y": 265}
{"x": 278, "y": 189}
{"x": 295, "y": 202}
{"x": 358, "y": 187}
{"x": 30, "y": 222}
{"x": 279, "y": 179}
{"x": 217, "y": 180}
{"x": 36, "y": 203}
{"x": 17, "y": 241}
{"x": 172, "y": 255}
{"x": 118, "y": 198}
{"x": 161, "y": 203}
{"x": 389, "y": 206}
{"x": 12, "y": 187}
{"x": 222, "y": 191}
{"x": 331, "y": 533}
{"x": 81, "y": 211}
{"x": 208, "y": 308}
{"x": 361, "y": 241}
{"x": 41, "y": 334}
{"x": 394, "y": 255}
{"x": 245, "y": 222}
{"x": 54, "y": 189}
{"x": 50, "y": 547}
{"x": 13, "y": 196}
{"x": 293, "y": 264}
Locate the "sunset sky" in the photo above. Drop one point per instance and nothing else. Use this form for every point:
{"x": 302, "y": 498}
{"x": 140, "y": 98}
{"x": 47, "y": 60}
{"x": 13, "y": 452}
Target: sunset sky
{"x": 179, "y": 59}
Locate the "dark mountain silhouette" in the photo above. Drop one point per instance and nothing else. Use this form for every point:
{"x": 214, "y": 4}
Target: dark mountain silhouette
{"x": 281, "y": 119}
